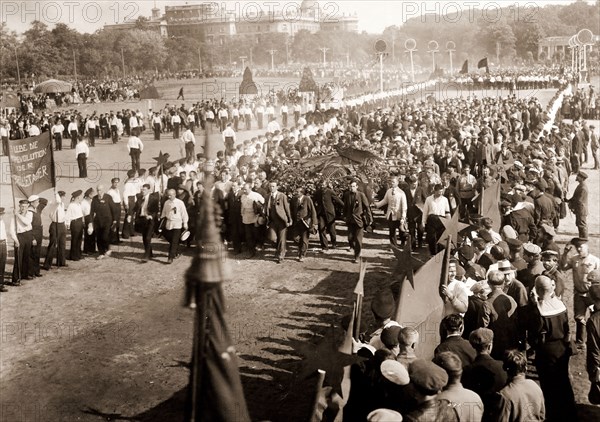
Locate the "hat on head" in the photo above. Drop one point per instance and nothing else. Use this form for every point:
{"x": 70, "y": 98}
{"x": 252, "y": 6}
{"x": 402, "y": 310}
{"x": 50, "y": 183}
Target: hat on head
{"x": 579, "y": 240}
{"x": 23, "y": 202}
{"x": 532, "y": 249}
{"x": 594, "y": 277}
{"x": 61, "y": 193}
{"x": 481, "y": 336}
{"x": 43, "y": 201}
{"x": 485, "y": 235}
{"x": 383, "y": 304}
{"x": 384, "y": 415}
{"x": 33, "y": 198}
{"x": 583, "y": 175}
{"x": 467, "y": 252}
{"x": 395, "y": 372}
{"x": 89, "y": 191}
{"x": 1, "y": 210}
{"x": 427, "y": 376}
{"x": 476, "y": 218}
{"x": 549, "y": 253}
{"x": 548, "y": 229}
{"x": 505, "y": 266}
{"x": 514, "y": 244}
{"x": 76, "y": 193}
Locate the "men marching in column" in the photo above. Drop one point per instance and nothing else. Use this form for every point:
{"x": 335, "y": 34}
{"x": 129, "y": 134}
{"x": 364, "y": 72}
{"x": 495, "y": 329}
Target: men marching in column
{"x": 57, "y": 232}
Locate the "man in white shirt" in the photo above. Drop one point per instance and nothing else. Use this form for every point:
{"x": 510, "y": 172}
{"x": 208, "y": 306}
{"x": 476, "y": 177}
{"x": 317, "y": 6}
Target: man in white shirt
{"x": 229, "y": 138}
{"x": 135, "y": 148}
{"x": 176, "y": 219}
{"x": 90, "y": 128}
{"x": 133, "y": 124}
{"x": 260, "y": 112}
{"x": 82, "y": 153}
{"x": 131, "y": 188}
{"x": 189, "y": 140}
{"x": 57, "y": 132}
{"x": 436, "y": 207}
{"x": 175, "y": 122}
{"x": 73, "y": 133}
{"x": 34, "y": 130}
{"x": 22, "y": 236}
{"x": 57, "y": 232}
{"x": 250, "y": 217}
{"x": 156, "y": 125}
{"x": 273, "y": 126}
{"x": 395, "y": 199}
{"x": 284, "y": 115}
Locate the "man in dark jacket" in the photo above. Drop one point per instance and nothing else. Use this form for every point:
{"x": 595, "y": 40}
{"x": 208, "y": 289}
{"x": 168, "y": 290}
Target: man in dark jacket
{"x": 279, "y": 218}
{"x": 146, "y": 218}
{"x": 325, "y": 203}
{"x": 579, "y": 204}
{"x": 304, "y": 216}
{"x": 104, "y": 220}
{"x": 357, "y": 215}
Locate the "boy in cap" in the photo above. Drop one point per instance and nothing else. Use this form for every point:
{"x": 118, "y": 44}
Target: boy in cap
{"x": 581, "y": 264}
{"x": 552, "y": 271}
{"x": 534, "y": 265}
{"x": 467, "y": 403}
{"x": 428, "y": 379}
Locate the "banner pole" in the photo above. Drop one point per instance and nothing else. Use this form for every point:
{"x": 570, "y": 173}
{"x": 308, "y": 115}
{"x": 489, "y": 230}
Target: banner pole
{"x": 18, "y": 261}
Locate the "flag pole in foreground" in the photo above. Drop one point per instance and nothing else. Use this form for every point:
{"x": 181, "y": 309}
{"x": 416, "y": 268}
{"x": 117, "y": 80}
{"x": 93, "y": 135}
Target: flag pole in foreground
{"x": 215, "y": 390}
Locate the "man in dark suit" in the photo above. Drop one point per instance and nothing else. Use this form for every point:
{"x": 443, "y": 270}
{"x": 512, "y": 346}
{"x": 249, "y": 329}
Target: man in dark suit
{"x": 452, "y": 328}
{"x": 146, "y": 218}
{"x": 357, "y": 215}
{"x": 415, "y": 198}
{"x": 579, "y": 204}
{"x": 485, "y": 376}
{"x": 235, "y": 227}
{"x": 325, "y": 202}
{"x": 279, "y": 218}
{"x": 103, "y": 220}
{"x": 304, "y": 216}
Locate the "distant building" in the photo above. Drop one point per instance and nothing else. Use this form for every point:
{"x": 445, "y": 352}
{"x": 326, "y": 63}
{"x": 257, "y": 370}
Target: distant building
{"x": 207, "y": 22}
{"x": 550, "y": 46}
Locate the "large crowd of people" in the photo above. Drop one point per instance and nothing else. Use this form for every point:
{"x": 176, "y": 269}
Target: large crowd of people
{"x": 503, "y": 296}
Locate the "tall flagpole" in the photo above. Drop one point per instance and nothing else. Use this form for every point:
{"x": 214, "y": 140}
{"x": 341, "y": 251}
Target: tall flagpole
{"x": 18, "y": 258}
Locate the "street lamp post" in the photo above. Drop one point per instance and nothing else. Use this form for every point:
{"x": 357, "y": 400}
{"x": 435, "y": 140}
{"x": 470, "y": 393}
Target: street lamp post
{"x": 451, "y": 48}
{"x": 324, "y": 50}
{"x": 433, "y": 48}
{"x": 18, "y": 71}
{"x": 411, "y": 46}
{"x": 272, "y": 60}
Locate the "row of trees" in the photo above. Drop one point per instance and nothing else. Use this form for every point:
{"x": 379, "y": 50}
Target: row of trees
{"x": 512, "y": 37}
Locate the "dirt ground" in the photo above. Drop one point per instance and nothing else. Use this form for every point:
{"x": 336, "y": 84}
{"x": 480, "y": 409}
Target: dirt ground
{"x": 110, "y": 340}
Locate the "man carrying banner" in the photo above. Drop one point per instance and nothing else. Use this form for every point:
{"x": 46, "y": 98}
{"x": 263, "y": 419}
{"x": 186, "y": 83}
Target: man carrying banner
{"x": 22, "y": 236}
{"x": 57, "y": 232}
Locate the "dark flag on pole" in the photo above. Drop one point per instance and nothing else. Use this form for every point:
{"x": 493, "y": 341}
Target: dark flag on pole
{"x": 31, "y": 165}
{"x": 215, "y": 391}
{"x": 465, "y": 67}
{"x": 483, "y": 63}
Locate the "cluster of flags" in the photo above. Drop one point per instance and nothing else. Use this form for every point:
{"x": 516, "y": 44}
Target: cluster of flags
{"x": 480, "y": 64}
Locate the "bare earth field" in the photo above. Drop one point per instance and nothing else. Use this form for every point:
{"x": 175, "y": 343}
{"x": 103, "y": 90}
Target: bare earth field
{"x": 110, "y": 340}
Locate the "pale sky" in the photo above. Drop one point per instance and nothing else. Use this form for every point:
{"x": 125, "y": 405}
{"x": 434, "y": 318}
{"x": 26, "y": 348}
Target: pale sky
{"x": 374, "y": 15}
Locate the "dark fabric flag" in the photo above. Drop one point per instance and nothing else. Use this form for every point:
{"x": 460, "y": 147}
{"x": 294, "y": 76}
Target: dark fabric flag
{"x": 482, "y": 63}
{"x": 215, "y": 392}
{"x": 31, "y": 165}
{"x": 465, "y": 67}
{"x": 421, "y": 307}
{"x": 490, "y": 205}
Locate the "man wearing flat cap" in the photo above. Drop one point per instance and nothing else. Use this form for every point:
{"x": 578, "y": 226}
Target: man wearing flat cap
{"x": 428, "y": 379}
{"x": 551, "y": 270}
{"x": 581, "y": 264}
{"x": 531, "y": 255}
{"x": 578, "y": 203}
